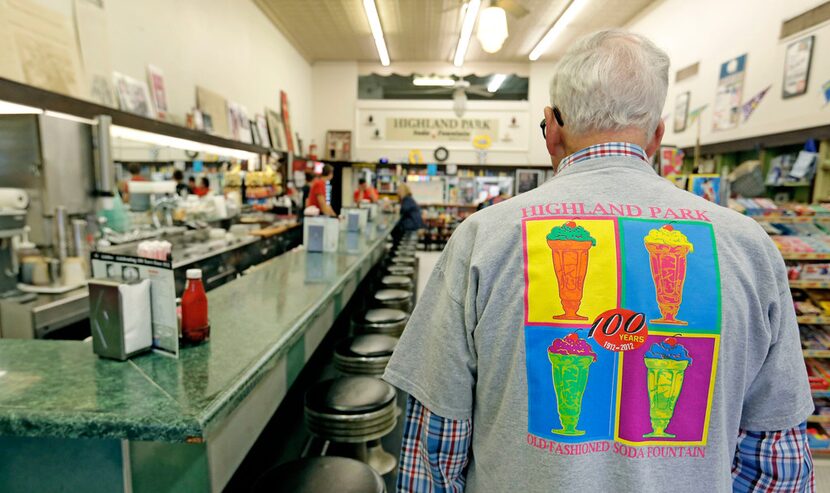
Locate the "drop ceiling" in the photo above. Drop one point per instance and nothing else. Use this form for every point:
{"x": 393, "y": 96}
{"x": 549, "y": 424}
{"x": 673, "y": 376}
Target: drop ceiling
{"x": 427, "y": 30}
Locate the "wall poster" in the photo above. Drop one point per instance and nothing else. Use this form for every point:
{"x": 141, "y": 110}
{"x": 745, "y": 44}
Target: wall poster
{"x": 797, "y": 67}
{"x": 286, "y": 121}
{"x": 681, "y": 111}
{"x": 727, "y": 110}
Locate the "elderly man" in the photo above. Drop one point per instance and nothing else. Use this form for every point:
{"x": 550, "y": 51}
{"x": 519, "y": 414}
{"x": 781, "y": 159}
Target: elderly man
{"x": 605, "y": 331}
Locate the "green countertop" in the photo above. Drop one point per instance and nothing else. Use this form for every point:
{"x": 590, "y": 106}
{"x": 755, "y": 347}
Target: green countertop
{"x": 62, "y": 389}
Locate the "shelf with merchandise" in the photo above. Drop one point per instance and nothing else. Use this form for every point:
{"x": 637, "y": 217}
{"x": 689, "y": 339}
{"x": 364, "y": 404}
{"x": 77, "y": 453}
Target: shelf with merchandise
{"x": 809, "y": 284}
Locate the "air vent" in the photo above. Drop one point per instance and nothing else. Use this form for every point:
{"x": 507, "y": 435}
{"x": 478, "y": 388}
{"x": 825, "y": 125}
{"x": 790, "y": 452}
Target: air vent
{"x": 812, "y": 17}
{"x": 687, "y": 72}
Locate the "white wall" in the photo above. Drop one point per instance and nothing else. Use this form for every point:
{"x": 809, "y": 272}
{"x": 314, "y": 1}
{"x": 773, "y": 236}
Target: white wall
{"x": 714, "y": 31}
{"x": 227, "y": 46}
{"x": 334, "y": 89}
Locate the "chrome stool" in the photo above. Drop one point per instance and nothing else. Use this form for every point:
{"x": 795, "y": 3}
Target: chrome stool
{"x": 393, "y": 281}
{"x": 364, "y": 354}
{"x": 404, "y": 270}
{"x": 394, "y": 298}
{"x": 318, "y": 474}
{"x": 354, "y": 411}
{"x": 381, "y": 321}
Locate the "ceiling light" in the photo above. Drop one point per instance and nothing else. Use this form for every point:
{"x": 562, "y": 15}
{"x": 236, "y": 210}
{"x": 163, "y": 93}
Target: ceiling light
{"x": 495, "y": 82}
{"x": 420, "y": 80}
{"x": 492, "y": 29}
{"x": 466, "y": 31}
{"x": 377, "y": 31}
{"x": 561, "y": 23}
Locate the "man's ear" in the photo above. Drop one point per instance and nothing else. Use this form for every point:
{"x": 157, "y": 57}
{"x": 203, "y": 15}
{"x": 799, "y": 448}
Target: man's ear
{"x": 553, "y": 139}
{"x": 654, "y": 144}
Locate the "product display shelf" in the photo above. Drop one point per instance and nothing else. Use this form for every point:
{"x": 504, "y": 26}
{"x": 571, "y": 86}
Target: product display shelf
{"x": 809, "y": 284}
{"x": 805, "y": 256}
{"x": 813, "y": 319}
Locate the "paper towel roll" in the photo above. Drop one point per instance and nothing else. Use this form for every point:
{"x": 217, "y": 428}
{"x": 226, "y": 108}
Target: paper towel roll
{"x": 13, "y": 198}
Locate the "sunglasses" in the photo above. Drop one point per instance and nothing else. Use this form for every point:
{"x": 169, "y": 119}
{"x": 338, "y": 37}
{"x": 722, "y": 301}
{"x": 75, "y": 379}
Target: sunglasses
{"x": 544, "y": 125}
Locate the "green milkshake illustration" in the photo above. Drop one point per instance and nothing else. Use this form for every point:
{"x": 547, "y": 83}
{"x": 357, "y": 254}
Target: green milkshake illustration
{"x": 570, "y": 359}
{"x": 666, "y": 362}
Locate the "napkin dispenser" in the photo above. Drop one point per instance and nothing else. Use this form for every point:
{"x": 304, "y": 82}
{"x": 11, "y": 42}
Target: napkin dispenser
{"x": 320, "y": 233}
{"x": 356, "y": 219}
{"x": 120, "y": 317}
{"x": 371, "y": 209}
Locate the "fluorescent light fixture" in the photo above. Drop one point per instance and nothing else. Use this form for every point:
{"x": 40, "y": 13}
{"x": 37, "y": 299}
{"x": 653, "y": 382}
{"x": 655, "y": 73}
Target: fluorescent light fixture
{"x": 495, "y": 82}
{"x": 422, "y": 81}
{"x": 467, "y": 26}
{"x": 7, "y": 108}
{"x": 377, "y": 31}
{"x": 561, "y": 23}
{"x": 492, "y": 29}
{"x": 126, "y": 133}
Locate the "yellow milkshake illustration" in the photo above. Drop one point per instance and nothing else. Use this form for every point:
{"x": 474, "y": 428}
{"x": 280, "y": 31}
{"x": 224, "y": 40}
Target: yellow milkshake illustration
{"x": 667, "y": 250}
{"x": 570, "y": 359}
{"x": 569, "y": 245}
{"x": 666, "y": 362}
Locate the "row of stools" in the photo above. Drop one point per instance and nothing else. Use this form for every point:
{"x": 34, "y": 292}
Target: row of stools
{"x": 355, "y": 410}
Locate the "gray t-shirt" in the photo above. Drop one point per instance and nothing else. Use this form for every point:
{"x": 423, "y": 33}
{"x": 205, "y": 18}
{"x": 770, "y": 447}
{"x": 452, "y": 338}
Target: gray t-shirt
{"x": 606, "y": 332}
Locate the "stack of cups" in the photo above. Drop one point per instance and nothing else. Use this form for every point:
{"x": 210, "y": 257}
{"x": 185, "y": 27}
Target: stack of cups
{"x": 159, "y": 250}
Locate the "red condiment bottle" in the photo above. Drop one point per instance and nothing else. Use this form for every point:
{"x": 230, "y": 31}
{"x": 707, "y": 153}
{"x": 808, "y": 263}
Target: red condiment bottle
{"x": 195, "y": 325}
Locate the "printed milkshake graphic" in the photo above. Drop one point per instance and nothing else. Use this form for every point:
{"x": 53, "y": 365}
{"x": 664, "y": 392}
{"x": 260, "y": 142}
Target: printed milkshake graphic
{"x": 570, "y": 358}
{"x": 667, "y": 250}
{"x": 569, "y": 245}
{"x": 666, "y": 362}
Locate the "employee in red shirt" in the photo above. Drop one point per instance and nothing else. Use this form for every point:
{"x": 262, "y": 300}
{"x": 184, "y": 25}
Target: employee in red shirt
{"x": 317, "y": 192}
{"x": 365, "y": 192}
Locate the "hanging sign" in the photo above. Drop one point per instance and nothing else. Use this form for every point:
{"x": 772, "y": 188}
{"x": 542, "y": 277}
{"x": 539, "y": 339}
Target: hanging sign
{"x": 482, "y": 142}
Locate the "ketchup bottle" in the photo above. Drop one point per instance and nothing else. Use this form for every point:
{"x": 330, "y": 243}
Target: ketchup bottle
{"x": 195, "y": 325}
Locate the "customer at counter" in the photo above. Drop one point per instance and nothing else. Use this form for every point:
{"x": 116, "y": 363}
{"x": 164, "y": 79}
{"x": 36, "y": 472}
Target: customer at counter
{"x": 138, "y": 202}
{"x": 411, "y": 219}
{"x": 365, "y": 191}
{"x": 182, "y": 189}
{"x": 204, "y": 188}
{"x": 317, "y": 192}
{"x": 527, "y": 368}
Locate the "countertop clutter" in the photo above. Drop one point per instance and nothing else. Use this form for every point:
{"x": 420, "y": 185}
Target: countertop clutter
{"x": 61, "y": 389}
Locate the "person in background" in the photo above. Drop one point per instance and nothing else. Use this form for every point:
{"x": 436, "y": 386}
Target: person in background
{"x": 504, "y": 194}
{"x": 181, "y": 188}
{"x": 317, "y": 192}
{"x": 309, "y": 177}
{"x": 365, "y": 191}
{"x": 191, "y": 185}
{"x": 411, "y": 220}
{"x": 204, "y": 188}
{"x": 138, "y": 202}
{"x": 575, "y": 289}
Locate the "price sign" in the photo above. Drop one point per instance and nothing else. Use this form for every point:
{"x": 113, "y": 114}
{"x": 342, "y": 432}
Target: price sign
{"x": 620, "y": 330}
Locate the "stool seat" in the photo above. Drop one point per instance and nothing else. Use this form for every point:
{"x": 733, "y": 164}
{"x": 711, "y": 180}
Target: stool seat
{"x": 367, "y": 346}
{"x": 395, "y": 281}
{"x": 364, "y": 354}
{"x": 401, "y": 270}
{"x": 385, "y": 295}
{"x": 390, "y": 321}
{"x": 318, "y": 475}
{"x": 402, "y": 259}
{"x": 385, "y": 316}
{"x": 349, "y": 395}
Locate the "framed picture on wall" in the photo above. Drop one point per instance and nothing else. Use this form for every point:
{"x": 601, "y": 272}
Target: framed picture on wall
{"x": 706, "y": 186}
{"x": 133, "y": 95}
{"x": 339, "y": 145}
{"x": 681, "y": 111}
{"x": 528, "y": 179}
{"x": 797, "y": 67}
{"x": 275, "y": 129}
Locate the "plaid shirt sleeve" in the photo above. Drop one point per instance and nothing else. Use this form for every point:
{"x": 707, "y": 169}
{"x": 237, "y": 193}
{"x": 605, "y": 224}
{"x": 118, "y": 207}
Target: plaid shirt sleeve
{"x": 773, "y": 461}
{"x": 434, "y": 452}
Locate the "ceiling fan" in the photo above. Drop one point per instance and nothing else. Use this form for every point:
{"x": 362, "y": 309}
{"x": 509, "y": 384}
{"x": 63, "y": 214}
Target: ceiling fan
{"x": 459, "y": 88}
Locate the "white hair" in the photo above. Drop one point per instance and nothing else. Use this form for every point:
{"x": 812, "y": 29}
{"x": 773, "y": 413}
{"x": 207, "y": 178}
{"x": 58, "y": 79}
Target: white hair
{"x": 610, "y": 81}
